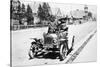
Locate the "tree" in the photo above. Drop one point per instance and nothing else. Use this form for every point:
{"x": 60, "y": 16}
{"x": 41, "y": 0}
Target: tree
{"x": 19, "y": 7}
{"x": 40, "y": 13}
{"x": 89, "y": 14}
{"x": 23, "y": 15}
{"x": 23, "y": 8}
{"x": 18, "y": 14}
{"x": 29, "y": 15}
{"x": 11, "y": 9}
{"x": 44, "y": 12}
{"x": 16, "y": 11}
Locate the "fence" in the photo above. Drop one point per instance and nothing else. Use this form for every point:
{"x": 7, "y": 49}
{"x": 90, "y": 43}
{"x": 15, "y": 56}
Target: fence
{"x": 19, "y": 27}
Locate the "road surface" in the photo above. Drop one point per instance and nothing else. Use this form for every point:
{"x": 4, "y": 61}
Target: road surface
{"x": 89, "y": 53}
{"x": 21, "y": 44}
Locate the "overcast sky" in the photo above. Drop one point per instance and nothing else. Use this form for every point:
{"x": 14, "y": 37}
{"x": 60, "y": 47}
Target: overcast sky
{"x": 65, "y": 7}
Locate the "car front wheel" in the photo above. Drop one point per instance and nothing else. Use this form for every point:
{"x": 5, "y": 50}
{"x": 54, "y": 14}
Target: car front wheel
{"x": 63, "y": 52}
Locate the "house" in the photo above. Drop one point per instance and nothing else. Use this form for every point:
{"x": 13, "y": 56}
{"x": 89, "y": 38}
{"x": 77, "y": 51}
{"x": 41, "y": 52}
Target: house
{"x": 78, "y": 14}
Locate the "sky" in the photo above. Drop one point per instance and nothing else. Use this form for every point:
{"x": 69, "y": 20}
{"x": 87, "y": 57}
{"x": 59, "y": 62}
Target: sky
{"x": 64, "y": 7}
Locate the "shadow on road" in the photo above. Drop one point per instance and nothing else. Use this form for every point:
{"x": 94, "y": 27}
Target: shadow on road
{"x": 50, "y": 55}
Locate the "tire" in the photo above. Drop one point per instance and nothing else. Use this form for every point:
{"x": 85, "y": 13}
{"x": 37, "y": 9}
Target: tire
{"x": 63, "y": 52}
{"x": 31, "y": 55}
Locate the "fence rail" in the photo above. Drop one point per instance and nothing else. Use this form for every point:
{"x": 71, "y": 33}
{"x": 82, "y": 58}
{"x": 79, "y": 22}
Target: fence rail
{"x": 19, "y": 27}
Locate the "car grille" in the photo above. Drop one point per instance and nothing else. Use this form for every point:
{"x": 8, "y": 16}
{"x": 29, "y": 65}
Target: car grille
{"x": 48, "y": 41}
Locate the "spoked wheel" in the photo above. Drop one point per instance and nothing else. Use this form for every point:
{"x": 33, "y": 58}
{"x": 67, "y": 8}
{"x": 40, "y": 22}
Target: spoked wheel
{"x": 63, "y": 52}
{"x": 32, "y": 53}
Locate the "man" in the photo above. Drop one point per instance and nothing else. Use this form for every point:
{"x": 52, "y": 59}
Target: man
{"x": 63, "y": 29}
{"x": 64, "y": 34}
{"x": 52, "y": 27}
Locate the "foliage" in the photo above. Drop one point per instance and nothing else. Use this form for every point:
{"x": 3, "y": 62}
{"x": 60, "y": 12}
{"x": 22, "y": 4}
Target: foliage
{"x": 19, "y": 12}
{"x": 29, "y": 15}
{"x": 44, "y": 13}
{"x": 23, "y": 8}
{"x": 90, "y": 14}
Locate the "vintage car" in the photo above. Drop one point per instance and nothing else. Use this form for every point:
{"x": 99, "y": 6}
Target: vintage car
{"x": 51, "y": 42}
